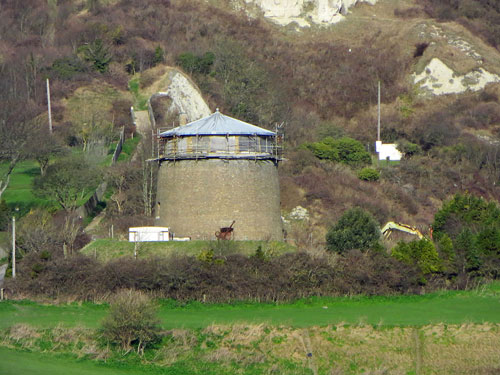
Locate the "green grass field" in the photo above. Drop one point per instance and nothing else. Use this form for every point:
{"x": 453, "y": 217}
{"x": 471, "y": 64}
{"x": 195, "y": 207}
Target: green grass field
{"x": 106, "y": 249}
{"x": 19, "y": 193}
{"x": 451, "y": 307}
{"x": 16, "y": 362}
{"x": 20, "y": 362}
{"x": 457, "y": 333}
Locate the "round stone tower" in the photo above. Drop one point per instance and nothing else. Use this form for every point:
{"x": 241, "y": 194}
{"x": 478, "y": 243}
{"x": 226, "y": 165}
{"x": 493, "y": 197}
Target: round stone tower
{"x": 216, "y": 171}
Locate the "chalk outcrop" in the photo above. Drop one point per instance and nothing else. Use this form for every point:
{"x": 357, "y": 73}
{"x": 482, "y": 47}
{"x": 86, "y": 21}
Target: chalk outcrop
{"x": 186, "y": 97}
{"x": 438, "y": 79}
{"x": 305, "y": 12}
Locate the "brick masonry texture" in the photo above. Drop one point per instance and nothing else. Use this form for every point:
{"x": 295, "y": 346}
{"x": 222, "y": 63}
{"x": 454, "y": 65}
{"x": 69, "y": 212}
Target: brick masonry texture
{"x": 198, "y": 197}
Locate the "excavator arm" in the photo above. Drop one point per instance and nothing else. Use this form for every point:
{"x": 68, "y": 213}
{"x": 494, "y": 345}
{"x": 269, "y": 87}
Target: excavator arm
{"x": 391, "y": 226}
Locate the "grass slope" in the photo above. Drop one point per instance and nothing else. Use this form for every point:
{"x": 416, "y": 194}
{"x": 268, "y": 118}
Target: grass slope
{"x": 19, "y": 193}
{"x": 107, "y": 249}
{"x": 15, "y": 362}
{"x": 453, "y": 307}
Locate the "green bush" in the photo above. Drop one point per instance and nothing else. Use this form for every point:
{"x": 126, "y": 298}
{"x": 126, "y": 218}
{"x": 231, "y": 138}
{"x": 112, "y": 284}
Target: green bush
{"x": 465, "y": 245}
{"x": 369, "y": 174}
{"x": 421, "y": 253}
{"x": 4, "y": 215}
{"x": 488, "y": 241}
{"x": 409, "y": 149}
{"x": 159, "y": 56}
{"x": 67, "y": 68}
{"x": 196, "y": 64}
{"x": 466, "y": 210}
{"x": 356, "y": 229}
{"x": 132, "y": 322}
{"x": 445, "y": 247}
{"x": 343, "y": 150}
{"x": 97, "y": 54}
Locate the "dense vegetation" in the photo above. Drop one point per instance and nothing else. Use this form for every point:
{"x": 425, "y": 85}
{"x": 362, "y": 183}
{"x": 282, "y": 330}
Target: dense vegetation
{"x": 255, "y": 72}
{"x": 216, "y": 278}
{"x": 102, "y": 57}
{"x": 207, "y": 338}
{"x": 480, "y": 16}
{"x": 321, "y": 87}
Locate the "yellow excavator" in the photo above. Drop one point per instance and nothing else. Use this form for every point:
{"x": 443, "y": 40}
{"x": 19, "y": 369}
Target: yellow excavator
{"x": 392, "y": 226}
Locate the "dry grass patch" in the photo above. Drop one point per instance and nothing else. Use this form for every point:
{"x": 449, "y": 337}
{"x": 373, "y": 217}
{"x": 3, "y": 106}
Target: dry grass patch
{"x": 441, "y": 349}
{"x": 332, "y": 350}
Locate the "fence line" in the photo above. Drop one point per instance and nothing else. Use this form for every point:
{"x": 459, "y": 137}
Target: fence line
{"x": 119, "y": 146}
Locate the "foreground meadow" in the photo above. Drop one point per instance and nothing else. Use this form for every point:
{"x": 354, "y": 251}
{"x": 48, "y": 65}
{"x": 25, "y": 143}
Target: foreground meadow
{"x": 452, "y": 332}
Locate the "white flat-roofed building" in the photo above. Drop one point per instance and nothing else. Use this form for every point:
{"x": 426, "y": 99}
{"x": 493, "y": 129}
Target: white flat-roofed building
{"x": 149, "y": 234}
{"x": 387, "y": 151}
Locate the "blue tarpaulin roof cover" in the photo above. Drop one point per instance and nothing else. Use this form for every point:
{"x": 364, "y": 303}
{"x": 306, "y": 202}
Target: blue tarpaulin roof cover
{"x": 216, "y": 124}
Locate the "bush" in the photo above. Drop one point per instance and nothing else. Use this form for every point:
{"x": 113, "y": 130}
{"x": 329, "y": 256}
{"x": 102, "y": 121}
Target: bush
{"x": 409, "y": 149}
{"x": 356, "y": 229}
{"x": 67, "y": 68}
{"x": 196, "y": 64}
{"x": 421, "y": 253}
{"x": 97, "y": 54}
{"x": 344, "y": 150}
{"x": 4, "y": 215}
{"x": 369, "y": 174}
{"x": 466, "y": 210}
{"x": 132, "y": 321}
{"x": 446, "y": 251}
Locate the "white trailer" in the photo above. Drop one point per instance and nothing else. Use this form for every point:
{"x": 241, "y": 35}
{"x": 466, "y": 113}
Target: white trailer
{"x": 149, "y": 234}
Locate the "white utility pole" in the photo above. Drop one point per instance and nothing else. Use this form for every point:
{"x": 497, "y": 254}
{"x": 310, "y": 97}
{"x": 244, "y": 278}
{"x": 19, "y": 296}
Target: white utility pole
{"x": 49, "y": 107}
{"x": 378, "y": 120}
{"x": 13, "y": 246}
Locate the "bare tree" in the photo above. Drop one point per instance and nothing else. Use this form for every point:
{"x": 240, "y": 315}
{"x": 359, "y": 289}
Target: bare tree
{"x": 47, "y": 146}
{"x": 68, "y": 181}
{"x": 16, "y": 125}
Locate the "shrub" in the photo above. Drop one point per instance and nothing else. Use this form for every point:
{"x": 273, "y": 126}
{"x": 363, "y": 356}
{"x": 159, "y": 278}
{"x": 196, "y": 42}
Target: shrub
{"x": 421, "y": 253}
{"x": 97, "y": 54}
{"x": 4, "y": 215}
{"x": 344, "y": 150}
{"x": 356, "y": 229}
{"x": 369, "y": 174}
{"x": 132, "y": 321}
{"x": 196, "y": 64}
{"x": 466, "y": 210}
{"x": 67, "y": 68}
{"x": 445, "y": 247}
{"x": 409, "y": 149}
{"x": 159, "y": 55}
{"x": 465, "y": 247}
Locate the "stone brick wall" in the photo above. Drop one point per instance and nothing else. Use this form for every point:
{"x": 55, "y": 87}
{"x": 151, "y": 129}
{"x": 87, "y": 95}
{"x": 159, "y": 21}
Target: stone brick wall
{"x": 198, "y": 197}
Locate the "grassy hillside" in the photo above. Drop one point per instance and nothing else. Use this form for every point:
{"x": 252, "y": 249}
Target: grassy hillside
{"x": 22, "y": 362}
{"x": 319, "y": 81}
{"x": 20, "y": 191}
{"x": 442, "y": 333}
{"x": 443, "y": 307}
{"x": 107, "y": 249}
{"x": 251, "y": 350}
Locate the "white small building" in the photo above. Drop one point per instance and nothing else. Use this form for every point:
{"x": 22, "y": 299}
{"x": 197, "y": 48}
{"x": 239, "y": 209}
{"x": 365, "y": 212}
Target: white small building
{"x": 387, "y": 151}
{"x": 149, "y": 234}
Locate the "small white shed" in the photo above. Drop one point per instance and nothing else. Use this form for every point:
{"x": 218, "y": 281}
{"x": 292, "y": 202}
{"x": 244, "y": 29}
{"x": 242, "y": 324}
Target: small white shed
{"x": 149, "y": 234}
{"x": 387, "y": 151}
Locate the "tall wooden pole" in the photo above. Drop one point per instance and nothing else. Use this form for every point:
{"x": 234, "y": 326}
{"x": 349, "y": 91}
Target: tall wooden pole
{"x": 13, "y": 246}
{"x": 49, "y": 107}
{"x": 378, "y": 119}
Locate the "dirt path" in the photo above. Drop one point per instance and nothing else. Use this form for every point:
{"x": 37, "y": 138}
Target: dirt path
{"x": 3, "y": 268}
{"x": 143, "y": 124}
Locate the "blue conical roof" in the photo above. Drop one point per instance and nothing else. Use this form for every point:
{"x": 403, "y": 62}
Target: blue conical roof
{"x": 216, "y": 124}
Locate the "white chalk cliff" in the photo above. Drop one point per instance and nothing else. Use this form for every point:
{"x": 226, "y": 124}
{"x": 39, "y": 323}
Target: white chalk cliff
{"x": 186, "y": 97}
{"x": 439, "y": 79}
{"x": 303, "y": 12}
